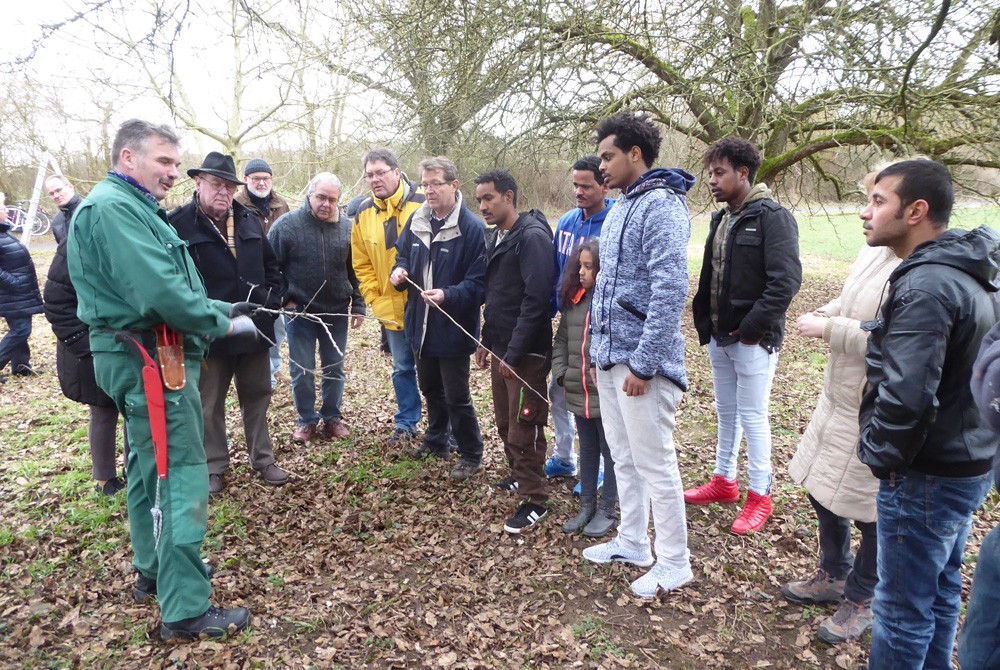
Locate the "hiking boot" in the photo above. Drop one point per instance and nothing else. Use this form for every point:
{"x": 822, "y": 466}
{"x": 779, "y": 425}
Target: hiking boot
{"x": 335, "y": 430}
{"x": 614, "y": 552}
{"x": 215, "y": 623}
{"x": 604, "y": 520}
{"x": 851, "y": 620}
{"x": 304, "y": 432}
{"x": 661, "y": 577}
{"x": 820, "y": 588}
{"x": 273, "y": 475}
{"x": 588, "y": 506}
{"x": 465, "y": 470}
{"x": 145, "y": 588}
{"x": 401, "y": 436}
{"x": 424, "y": 450}
{"x": 215, "y": 485}
{"x": 111, "y": 487}
{"x": 557, "y": 467}
{"x": 506, "y": 484}
{"x": 717, "y": 490}
{"x": 755, "y": 513}
{"x": 526, "y": 516}
{"x": 25, "y": 371}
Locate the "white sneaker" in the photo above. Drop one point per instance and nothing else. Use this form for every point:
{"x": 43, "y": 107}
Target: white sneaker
{"x": 661, "y": 577}
{"x": 614, "y": 552}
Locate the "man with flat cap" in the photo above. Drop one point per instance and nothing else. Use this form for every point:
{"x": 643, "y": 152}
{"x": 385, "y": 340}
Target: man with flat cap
{"x": 258, "y": 193}
{"x": 227, "y": 243}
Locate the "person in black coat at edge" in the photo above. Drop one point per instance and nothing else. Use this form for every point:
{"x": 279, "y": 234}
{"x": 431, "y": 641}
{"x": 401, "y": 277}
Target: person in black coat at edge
{"x": 75, "y": 368}
{"x": 19, "y": 300}
{"x": 227, "y": 244}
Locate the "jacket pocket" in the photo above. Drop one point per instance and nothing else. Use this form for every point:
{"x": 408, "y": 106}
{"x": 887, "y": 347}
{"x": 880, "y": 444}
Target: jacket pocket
{"x": 631, "y": 309}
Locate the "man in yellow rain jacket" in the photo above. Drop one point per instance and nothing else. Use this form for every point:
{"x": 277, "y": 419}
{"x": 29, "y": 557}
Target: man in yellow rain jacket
{"x": 379, "y": 223}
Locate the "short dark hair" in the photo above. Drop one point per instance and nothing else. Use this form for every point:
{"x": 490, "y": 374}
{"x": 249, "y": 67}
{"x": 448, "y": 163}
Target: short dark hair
{"x": 632, "y": 130}
{"x": 571, "y": 273}
{"x": 502, "y": 181}
{"x": 590, "y": 164}
{"x": 134, "y": 135}
{"x": 380, "y": 154}
{"x": 738, "y": 151}
{"x": 923, "y": 180}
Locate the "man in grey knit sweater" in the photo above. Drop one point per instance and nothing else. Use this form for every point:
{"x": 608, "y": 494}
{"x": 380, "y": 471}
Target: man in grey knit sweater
{"x": 313, "y": 245}
{"x": 638, "y": 349}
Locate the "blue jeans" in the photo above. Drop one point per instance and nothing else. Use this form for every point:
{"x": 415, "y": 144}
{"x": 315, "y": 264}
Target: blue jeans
{"x": 14, "y": 345}
{"x": 274, "y": 353}
{"x": 979, "y": 641}
{"x": 742, "y": 376}
{"x": 923, "y": 523}
{"x": 563, "y": 429}
{"x": 404, "y": 381}
{"x": 303, "y": 337}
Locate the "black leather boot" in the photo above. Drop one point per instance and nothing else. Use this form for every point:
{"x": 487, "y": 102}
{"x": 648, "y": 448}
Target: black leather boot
{"x": 217, "y": 623}
{"x": 587, "y": 508}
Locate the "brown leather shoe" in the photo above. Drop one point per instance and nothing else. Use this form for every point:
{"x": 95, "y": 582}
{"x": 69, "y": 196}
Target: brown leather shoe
{"x": 335, "y": 430}
{"x": 304, "y": 432}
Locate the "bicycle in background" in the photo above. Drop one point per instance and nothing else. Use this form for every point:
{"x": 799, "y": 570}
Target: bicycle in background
{"x": 18, "y": 217}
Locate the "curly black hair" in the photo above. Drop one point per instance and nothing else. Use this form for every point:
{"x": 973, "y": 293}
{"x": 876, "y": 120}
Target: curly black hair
{"x": 502, "y": 181}
{"x": 632, "y": 130}
{"x": 739, "y": 153}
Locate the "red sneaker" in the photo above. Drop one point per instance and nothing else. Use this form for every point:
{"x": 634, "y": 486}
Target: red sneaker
{"x": 754, "y": 514}
{"x": 718, "y": 489}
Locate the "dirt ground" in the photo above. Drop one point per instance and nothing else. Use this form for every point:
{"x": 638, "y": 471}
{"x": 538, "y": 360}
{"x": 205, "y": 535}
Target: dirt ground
{"x": 368, "y": 559}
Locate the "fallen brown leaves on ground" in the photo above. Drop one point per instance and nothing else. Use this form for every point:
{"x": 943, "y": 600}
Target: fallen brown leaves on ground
{"x": 369, "y": 559}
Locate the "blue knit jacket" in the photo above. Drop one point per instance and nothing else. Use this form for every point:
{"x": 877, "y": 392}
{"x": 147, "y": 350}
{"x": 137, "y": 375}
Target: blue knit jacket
{"x": 642, "y": 288}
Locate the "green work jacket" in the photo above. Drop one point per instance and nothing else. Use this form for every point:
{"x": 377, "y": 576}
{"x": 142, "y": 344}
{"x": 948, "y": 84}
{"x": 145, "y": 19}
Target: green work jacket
{"x": 131, "y": 271}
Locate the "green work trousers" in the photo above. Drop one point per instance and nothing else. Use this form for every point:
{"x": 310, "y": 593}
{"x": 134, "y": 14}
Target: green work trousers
{"x": 182, "y": 584}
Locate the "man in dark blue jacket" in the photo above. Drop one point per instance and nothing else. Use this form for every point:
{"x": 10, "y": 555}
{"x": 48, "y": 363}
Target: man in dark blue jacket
{"x": 517, "y": 331}
{"x": 227, "y": 244}
{"x": 441, "y": 262}
{"x": 921, "y": 433}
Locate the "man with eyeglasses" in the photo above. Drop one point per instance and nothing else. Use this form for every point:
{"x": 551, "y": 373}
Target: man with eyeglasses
{"x": 66, "y": 199}
{"x": 313, "y": 244}
{"x": 441, "y": 265}
{"x": 227, "y": 244}
{"x": 377, "y": 225}
{"x": 259, "y": 194}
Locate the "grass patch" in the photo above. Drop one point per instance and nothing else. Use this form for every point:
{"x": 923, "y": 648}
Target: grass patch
{"x": 596, "y": 632}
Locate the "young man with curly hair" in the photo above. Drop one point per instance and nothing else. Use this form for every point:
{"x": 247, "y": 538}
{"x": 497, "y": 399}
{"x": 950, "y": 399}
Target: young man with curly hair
{"x": 638, "y": 349}
{"x": 751, "y": 272}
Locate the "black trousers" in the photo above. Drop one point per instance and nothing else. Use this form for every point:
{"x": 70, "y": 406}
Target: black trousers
{"x": 444, "y": 382}
{"x": 835, "y": 553}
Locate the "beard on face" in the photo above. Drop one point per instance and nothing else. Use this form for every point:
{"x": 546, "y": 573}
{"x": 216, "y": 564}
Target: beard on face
{"x": 262, "y": 193}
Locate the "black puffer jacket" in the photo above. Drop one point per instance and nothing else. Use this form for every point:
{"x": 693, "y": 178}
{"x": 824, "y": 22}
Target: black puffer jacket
{"x": 519, "y": 273}
{"x": 74, "y": 362}
{"x": 230, "y": 279}
{"x": 60, "y": 224}
{"x": 19, "y": 295}
{"x": 763, "y": 274}
{"x": 918, "y": 411}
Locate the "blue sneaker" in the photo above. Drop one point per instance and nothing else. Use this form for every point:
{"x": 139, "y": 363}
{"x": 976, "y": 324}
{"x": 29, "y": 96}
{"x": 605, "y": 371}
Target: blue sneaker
{"x": 556, "y": 467}
{"x": 578, "y": 489}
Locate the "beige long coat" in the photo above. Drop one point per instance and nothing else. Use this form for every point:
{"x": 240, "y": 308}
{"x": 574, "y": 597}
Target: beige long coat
{"x": 826, "y": 461}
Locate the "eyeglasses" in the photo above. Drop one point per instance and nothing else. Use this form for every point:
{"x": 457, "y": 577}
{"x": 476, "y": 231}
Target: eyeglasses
{"x": 321, "y": 199}
{"x": 433, "y": 185}
{"x": 261, "y": 180}
{"x": 376, "y": 174}
{"x": 219, "y": 185}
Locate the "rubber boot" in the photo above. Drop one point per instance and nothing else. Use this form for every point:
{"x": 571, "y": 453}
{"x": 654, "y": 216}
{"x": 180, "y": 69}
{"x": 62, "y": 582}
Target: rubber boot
{"x": 604, "y": 520}
{"x": 588, "y": 506}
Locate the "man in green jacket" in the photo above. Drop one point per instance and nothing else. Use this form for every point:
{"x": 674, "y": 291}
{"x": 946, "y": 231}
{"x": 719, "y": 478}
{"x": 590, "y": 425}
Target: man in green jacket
{"x": 133, "y": 273}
